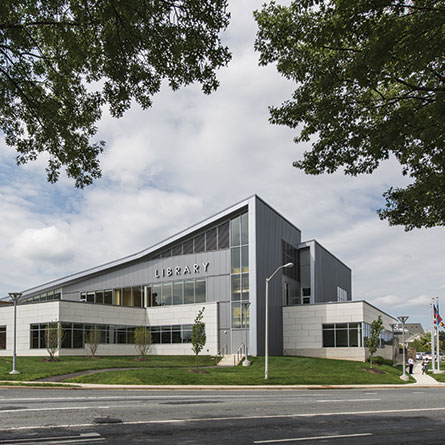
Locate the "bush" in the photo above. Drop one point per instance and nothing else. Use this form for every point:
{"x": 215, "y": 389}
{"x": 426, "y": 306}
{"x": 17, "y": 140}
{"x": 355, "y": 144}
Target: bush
{"x": 378, "y": 360}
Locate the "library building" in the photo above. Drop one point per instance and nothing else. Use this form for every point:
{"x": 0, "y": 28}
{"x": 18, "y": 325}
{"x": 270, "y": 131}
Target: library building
{"x": 223, "y": 264}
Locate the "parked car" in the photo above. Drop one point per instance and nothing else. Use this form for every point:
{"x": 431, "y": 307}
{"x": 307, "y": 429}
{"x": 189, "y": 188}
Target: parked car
{"x": 419, "y": 355}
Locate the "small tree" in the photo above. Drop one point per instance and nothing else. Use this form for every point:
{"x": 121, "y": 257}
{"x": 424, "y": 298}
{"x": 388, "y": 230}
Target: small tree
{"x": 52, "y": 338}
{"x": 142, "y": 341}
{"x": 92, "y": 340}
{"x": 198, "y": 335}
{"x": 374, "y": 337}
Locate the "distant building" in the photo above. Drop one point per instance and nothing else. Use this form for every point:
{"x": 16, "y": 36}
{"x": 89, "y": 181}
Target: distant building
{"x": 414, "y": 328}
{"x": 221, "y": 264}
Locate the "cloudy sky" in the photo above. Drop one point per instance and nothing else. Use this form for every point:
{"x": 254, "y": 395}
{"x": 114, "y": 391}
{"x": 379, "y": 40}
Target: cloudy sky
{"x": 192, "y": 155}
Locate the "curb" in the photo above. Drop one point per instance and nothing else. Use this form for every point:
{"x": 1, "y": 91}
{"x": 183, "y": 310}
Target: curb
{"x": 81, "y": 386}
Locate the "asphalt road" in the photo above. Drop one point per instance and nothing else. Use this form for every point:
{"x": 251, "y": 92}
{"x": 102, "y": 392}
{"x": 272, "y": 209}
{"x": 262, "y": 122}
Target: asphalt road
{"x": 359, "y": 416}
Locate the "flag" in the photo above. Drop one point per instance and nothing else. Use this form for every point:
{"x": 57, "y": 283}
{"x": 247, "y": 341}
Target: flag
{"x": 438, "y": 321}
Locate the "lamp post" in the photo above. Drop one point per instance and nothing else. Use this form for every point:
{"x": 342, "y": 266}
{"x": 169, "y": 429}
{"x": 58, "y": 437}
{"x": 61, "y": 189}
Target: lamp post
{"x": 246, "y": 305}
{"x": 266, "y": 343}
{"x": 394, "y": 351}
{"x": 15, "y": 298}
{"x": 403, "y": 319}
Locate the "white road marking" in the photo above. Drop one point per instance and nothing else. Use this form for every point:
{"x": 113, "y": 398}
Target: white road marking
{"x": 83, "y": 437}
{"x": 296, "y": 439}
{"x": 64, "y": 408}
{"x": 237, "y": 418}
{"x": 348, "y": 400}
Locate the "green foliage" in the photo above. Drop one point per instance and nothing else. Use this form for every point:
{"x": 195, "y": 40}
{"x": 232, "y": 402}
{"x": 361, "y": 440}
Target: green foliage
{"x": 374, "y": 337}
{"x": 198, "y": 335}
{"x": 61, "y": 61}
{"x": 370, "y": 84}
{"x": 92, "y": 340}
{"x": 142, "y": 340}
{"x": 423, "y": 344}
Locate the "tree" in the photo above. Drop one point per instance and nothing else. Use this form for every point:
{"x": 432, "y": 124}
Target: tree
{"x": 92, "y": 340}
{"x": 142, "y": 341}
{"x": 423, "y": 344}
{"x": 198, "y": 335}
{"x": 53, "y": 338}
{"x": 370, "y": 85}
{"x": 374, "y": 337}
{"x": 61, "y": 61}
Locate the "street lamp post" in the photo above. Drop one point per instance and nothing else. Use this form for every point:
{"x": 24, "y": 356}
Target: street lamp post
{"x": 403, "y": 319}
{"x": 394, "y": 351}
{"x": 15, "y": 298}
{"x": 246, "y": 305}
{"x": 266, "y": 343}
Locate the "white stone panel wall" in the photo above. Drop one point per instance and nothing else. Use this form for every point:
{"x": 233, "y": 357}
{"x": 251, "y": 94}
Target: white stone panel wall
{"x": 302, "y": 328}
{"x": 76, "y": 312}
{"x": 27, "y": 314}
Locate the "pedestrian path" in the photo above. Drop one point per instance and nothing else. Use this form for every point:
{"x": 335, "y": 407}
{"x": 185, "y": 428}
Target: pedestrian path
{"x": 423, "y": 379}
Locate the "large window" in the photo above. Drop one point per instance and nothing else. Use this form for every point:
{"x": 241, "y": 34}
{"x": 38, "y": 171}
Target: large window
{"x": 239, "y": 252}
{"x": 159, "y": 294}
{"x": 350, "y": 335}
{"x": 342, "y": 335}
{"x": 215, "y": 238}
{"x": 74, "y": 335}
{"x": 2, "y": 337}
{"x": 290, "y": 255}
{"x": 55, "y": 294}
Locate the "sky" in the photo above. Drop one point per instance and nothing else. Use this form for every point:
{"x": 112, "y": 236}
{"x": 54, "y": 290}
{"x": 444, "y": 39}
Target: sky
{"x": 193, "y": 155}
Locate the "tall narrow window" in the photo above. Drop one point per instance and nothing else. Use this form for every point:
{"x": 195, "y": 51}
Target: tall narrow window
{"x": 2, "y": 337}
{"x": 178, "y": 293}
{"x": 156, "y": 295}
{"x": 236, "y": 229}
{"x": 118, "y": 297}
{"x": 166, "y": 294}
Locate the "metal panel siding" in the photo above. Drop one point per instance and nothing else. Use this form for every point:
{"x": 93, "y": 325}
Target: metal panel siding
{"x": 271, "y": 228}
{"x": 144, "y": 272}
{"x": 330, "y": 273}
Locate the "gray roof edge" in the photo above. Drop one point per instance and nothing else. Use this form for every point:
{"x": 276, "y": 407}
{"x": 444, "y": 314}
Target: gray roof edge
{"x": 276, "y": 211}
{"x": 324, "y": 248}
{"x": 142, "y": 253}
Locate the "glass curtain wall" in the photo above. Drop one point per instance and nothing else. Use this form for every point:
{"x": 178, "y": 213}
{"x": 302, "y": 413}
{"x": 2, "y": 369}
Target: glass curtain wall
{"x": 239, "y": 252}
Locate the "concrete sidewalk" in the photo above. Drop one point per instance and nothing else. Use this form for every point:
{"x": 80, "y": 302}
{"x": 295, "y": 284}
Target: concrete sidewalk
{"x": 423, "y": 379}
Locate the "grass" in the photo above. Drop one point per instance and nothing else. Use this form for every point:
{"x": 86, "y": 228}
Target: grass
{"x": 438, "y": 377}
{"x": 33, "y": 368}
{"x": 175, "y": 370}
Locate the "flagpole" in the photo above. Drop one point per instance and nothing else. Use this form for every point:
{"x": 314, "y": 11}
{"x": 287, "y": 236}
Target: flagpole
{"x": 437, "y": 334}
{"x": 432, "y": 335}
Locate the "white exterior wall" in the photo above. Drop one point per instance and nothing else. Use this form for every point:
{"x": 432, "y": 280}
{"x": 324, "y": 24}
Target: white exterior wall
{"x": 302, "y": 329}
{"x": 88, "y": 313}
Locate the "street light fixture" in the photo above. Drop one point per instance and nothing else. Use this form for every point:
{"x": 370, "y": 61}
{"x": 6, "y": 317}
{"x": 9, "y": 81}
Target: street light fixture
{"x": 245, "y": 305}
{"x": 266, "y": 345}
{"x": 394, "y": 353}
{"x": 15, "y": 298}
{"x": 403, "y": 319}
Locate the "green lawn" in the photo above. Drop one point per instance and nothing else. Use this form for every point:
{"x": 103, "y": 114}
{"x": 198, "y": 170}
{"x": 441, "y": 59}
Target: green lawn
{"x": 175, "y": 370}
{"x": 438, "y": 377}
{"x": 32, "y": 368}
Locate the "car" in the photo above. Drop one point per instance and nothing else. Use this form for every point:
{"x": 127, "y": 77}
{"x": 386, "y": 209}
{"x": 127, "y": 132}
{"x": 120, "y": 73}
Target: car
{"x": 419, "y": 355}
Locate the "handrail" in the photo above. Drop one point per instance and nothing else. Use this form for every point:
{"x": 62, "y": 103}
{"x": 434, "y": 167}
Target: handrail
{"x": 239, "y": 354}
{"x": 223, "y": 351}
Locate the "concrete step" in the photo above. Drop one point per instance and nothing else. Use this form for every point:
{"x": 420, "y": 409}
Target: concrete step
{"x": 230, "y": 360}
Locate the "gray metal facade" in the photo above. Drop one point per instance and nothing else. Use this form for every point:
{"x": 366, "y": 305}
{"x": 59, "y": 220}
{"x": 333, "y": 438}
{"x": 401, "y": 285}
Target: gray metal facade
{"x": 268, "y": 230}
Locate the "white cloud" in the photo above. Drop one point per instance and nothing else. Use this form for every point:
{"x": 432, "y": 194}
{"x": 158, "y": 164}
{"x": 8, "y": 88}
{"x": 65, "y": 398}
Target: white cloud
{"x": 192, "y": 155}
{"x": 48, "y": 244}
